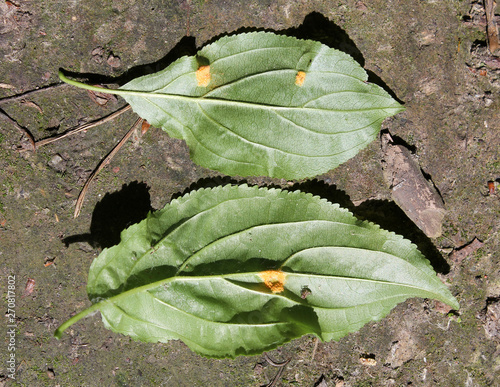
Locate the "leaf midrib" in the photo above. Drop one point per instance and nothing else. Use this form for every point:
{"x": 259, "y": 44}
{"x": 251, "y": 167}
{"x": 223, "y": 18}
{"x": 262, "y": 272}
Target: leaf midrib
{"x": 146, "y": 94}
{"x": 236, "y": 324}
{"x": 254, "y": 227}
{"x": 156, "y": 284}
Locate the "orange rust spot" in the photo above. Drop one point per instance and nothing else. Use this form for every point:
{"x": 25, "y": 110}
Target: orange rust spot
{"x": 274, "y": 280}
{"x": 300, "y": 78}
{"x": 203, "y": 76}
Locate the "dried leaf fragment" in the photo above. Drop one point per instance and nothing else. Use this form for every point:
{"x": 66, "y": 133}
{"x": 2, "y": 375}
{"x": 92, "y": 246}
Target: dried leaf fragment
{"x": 101, "y": 99}
{"x": 411, "y": 191}
{"x": 32, "y": 104}
{"x": 145, "y": 127}
{"x": 30, "y": 286}
{"x": 368, "y": 360}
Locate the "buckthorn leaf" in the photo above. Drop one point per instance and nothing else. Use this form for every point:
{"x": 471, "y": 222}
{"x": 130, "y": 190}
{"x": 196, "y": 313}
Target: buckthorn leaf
{"x": 261, "y": 104}
{"x": 239, "y": 270}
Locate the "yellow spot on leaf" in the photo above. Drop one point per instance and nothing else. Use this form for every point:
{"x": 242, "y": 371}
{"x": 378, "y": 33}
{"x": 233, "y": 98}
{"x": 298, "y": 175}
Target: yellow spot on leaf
{"x": 300, "y": 78}
{"x": 274, "y": 280}
{"x": 203, "y": 76}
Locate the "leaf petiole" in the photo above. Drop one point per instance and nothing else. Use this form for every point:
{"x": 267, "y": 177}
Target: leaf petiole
{"x": 84, "y": 313}
{"x": 97, "y": 89}
{"x": 137, "y": 93}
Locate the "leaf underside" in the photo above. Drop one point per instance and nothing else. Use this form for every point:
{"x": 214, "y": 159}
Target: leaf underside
{"x": 239, "y": 270}
{"x": 261, "y": 104}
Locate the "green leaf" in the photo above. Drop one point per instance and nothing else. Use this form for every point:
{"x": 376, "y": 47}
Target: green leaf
{"x": 239, "y": 270}
{"x": 261, "y": 104}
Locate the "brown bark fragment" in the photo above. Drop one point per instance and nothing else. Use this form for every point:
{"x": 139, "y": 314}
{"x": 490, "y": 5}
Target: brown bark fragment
{"x": 492, "y": 28}
{"x": 492, "y": 323}
{"x": 411, "y": 191}
{"x": 458, "y": 255}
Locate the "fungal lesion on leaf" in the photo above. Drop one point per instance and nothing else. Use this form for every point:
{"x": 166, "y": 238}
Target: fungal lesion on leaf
{"x": 203, "y": 75}
{"x": 274, "y": 280}
{"x": 300, "y": 78}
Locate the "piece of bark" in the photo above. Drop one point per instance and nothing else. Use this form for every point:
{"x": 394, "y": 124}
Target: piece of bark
{"x": 492, "y": 28}
{"x": 492, "y": 323}
{"x": 458, "y": 255}
{"x": 411, "y": 191}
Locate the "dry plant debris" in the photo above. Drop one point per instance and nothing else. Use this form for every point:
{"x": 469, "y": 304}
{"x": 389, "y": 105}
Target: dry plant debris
{"x": 411, "y": 191}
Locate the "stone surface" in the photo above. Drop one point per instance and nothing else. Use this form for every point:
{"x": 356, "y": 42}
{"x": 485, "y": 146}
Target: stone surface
{"x": 429, "y": 54}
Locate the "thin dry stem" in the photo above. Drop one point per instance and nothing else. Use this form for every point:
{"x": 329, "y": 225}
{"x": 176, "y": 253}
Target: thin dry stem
{"x": 316, "y": 341}
{"x": 83, "y": 127}
{"x": 17, "y": 97}
{"x": 281, "y": 367}
{"x": 102, "y": 164}
{"x": 24, "y": 131}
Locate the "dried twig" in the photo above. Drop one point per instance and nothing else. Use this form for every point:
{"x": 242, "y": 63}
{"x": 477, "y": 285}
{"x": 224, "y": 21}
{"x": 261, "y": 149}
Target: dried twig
{"x": 281, "y": 366}
{"x": 36, "y": 144}
{"x": 102, "y": 164}
{"x": 30, "y": 93}
{"x": 275, "y": 363}
{"x": 83, "y": 127}
{"x": 23, "y": 130}
{"x": 26, "y": 132}
{"x": 316, "y": 341}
